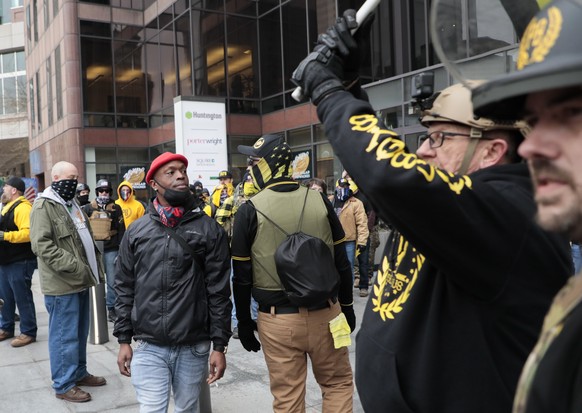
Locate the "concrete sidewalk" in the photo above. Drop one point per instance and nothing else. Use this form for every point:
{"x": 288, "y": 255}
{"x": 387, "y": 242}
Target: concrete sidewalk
{"x": 25, "y": 379}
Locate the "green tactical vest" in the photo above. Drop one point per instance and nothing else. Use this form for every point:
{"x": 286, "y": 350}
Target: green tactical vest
{"x": 285, "y": 209}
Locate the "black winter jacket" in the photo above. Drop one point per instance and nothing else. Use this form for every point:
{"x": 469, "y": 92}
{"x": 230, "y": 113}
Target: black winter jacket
{"x": 461, "y": 293}
{"x": 162, "y": 297}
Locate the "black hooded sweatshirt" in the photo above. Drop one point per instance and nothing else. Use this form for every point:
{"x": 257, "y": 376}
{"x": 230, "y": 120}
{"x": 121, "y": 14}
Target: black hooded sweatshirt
{"x": 462, "y": 290}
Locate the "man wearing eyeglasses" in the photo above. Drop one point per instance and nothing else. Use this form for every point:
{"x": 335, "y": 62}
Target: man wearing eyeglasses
{"x": 104, "y": 206}
{"x": 462, "y": 289}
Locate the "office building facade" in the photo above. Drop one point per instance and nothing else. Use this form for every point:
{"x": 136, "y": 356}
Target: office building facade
{"x": 102, "y": 75}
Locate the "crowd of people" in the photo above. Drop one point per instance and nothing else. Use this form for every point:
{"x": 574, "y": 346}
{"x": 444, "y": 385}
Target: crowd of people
{"x": 474, "y": 306}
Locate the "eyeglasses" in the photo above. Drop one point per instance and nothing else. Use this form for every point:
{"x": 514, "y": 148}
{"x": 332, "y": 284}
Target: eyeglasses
{"x": 437, "y": 138}
{"x": 103, "y": 190}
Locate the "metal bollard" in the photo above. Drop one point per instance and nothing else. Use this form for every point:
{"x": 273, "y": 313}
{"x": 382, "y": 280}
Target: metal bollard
{"x": 98, "y": 330}
{"x": 204, "y": 402}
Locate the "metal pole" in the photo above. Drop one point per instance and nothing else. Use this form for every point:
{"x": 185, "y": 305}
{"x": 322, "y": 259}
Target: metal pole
{"x": 204, "y": 401}
{"x": 98, "y": 331}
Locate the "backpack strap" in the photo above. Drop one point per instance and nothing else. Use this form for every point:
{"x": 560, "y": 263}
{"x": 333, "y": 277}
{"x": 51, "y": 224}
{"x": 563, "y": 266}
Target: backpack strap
{"x": 187, "y": 247}
{"x": 279, "y": 227}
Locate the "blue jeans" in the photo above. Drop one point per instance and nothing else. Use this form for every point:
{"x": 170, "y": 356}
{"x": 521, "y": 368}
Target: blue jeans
{"x": 68, "y": 332}
{"x": 351, "y": 251}
{"x": 157, "y": 371}
{"x": 109, "y": 262}
{"x": 15, "y": 283}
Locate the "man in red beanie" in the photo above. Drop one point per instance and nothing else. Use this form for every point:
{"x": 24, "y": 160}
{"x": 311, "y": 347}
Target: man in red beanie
{"x": 173, "y": 293}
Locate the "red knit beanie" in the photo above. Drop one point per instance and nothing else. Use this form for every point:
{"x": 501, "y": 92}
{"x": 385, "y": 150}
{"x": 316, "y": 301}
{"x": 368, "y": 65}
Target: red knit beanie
{"x": 161, "y": 161}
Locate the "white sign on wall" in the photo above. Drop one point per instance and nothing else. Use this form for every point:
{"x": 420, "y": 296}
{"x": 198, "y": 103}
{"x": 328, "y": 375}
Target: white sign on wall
{"x": 201, "y": 137}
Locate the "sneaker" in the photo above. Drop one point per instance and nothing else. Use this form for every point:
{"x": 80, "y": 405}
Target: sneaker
{"x": 111, "y": 315}
{"x": 235, "y": 333}
{"x": 75, "y": 395}
{"x": 92, "y": 381}
{"x": 356, "y": 282}
{"x": 22, "y": 340}
{"x": 5, "y": 335}
{"x": 364, "y": 293}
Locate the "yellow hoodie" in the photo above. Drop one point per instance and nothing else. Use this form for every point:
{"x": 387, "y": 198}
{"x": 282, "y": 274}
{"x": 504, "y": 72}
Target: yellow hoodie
{"x": 132, "y": 208}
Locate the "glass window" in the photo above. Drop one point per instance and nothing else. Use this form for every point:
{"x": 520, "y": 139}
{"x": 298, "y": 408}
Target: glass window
{"x": 105, "y": 155}
{"x": 20, "y": 61}
{"x": 327, "y": 166}
{"x": 130, "y": 79}
{"x": 267, "y": 5}
{"x": 489, "y": 27}
{"x": 319, "y": 133}
{"x": 58, "y": 82}
{"x": 392, "y": 117}
{"x": 209, "y": 53}
{"x": 9, "y": 96}
{"x": 166, "y": 17}
{"x": 32, "y": 107}
{"x": 8, "y": 63}
{"x": 295, "y": 46}
{"x": 21, "y": 89}
{"x": 383, "y": 60}
{"x": 272, "y": 104}
{"x": 419, "y": 40}
{"x": 49, "y": 89}
{"x": 245, "y": 7}
{"x": 154, "y": 79}
{"x": 180, "y": 6}
{"x": 96, "y": 66}
{"x": 168, "y": 66}
{"x": 242, "y": 62}
{"x": 127, "y": 32}
{"x": 184, "y": 54}
{"x": 270, "y": 41}
{"x": 299, "y": 137}
{"x": 90, "y": 28}
{"x": 35, "y": 19}
{"x": 45, "y": 12}
{"x": 38, "y": 102}
{"x": 132, "y": 154}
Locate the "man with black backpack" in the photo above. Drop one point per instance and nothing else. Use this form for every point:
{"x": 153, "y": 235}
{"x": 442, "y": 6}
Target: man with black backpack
{"x": 287, "y": 249}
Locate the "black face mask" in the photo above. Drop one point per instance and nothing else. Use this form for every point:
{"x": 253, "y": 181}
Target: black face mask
{"x": 66, "y": 188}
{"x": 176, "y": 198}
{"x": 83, "y": 199}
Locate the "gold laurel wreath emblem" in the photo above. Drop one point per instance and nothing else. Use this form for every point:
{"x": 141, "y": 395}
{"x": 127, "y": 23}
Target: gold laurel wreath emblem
{"x": 539, "y": 39}
{"x": 387, "y": 310}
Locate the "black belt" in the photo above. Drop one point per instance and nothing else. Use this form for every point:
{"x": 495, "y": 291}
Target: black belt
{"x": 288, "y": 309}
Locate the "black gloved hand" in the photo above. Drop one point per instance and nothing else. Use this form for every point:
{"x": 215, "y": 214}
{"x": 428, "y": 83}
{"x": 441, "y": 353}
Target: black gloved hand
{"x": 350, "y": 49}
{"x": 319, "y": 74}
{"x": 246, "y": 334}
{"x": 359, "y": 249}
{"x": 348, "y": 311}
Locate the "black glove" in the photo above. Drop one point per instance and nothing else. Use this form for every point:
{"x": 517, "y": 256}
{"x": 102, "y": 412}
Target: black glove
{"x": 348, "y": 311}
{"x": 319, "y": 74}
{"x": 359, "y": 249}
{"x": 246, "y": 334}
{"x": 351, "y": 50}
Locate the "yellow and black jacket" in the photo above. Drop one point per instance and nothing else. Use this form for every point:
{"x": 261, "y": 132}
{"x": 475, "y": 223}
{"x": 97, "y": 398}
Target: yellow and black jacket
{"x": 462, "y": 290}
